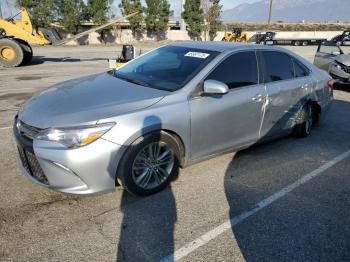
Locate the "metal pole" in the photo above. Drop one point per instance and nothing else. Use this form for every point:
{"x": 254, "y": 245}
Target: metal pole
{"x": 182, "y": 23}
{"x": 270, "y": 13}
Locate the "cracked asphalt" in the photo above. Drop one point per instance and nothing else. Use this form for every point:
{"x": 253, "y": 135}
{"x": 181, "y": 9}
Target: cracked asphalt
{"x": 311, "y": 223}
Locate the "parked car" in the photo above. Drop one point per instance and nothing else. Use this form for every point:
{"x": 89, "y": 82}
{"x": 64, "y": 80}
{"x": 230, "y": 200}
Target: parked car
{"x": 171, "y": 107}
{"x": 330, "y": 57}
{"x": 342, "y": 39}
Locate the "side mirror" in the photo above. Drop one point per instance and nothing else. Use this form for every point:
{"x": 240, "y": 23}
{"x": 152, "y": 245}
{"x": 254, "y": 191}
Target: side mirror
{"x": 213, "y": 87}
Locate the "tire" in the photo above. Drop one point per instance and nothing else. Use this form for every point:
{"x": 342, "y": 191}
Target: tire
{"x": 296, "y": 43}
{"x": 305, "y": 43}
{"x": 304, "y": 129}
{"x": 138, "y": 175}
{"x": 11, "y": 53}
{"x": 28, "y": 52}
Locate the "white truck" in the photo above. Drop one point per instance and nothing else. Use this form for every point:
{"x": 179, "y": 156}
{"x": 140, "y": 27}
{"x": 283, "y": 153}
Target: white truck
{"x": 290, "y": 38}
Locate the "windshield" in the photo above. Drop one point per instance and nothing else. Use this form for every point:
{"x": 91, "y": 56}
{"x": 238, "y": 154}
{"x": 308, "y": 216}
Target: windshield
{"x": 168, "y": 68}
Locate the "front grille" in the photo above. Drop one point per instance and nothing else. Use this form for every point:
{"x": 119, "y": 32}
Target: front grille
{"x": 32, "y": 166}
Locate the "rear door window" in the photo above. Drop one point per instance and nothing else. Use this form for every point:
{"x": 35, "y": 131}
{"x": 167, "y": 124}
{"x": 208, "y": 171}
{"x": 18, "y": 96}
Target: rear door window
{"x": 276, "y": 66}
{"x": 300, "y": 69}
{"x": 238, "y": 70}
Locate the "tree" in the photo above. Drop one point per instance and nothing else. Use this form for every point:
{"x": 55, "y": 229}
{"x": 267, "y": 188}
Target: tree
{"x": 130, "y": 6}
{"x": 157, "y": 17}
{"x": 97, "y": 10}
{"x": 212, "y": 17}
{"x": 193, "y": 16}
{"x": 42, "y": 13}
{"x": 71, "y": 13}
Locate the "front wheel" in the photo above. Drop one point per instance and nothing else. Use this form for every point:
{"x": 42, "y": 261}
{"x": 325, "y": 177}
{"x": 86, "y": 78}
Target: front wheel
{"x": 149, "y": 164}
{"x": 11, "y": 53}
{"x": 307, "y": 115}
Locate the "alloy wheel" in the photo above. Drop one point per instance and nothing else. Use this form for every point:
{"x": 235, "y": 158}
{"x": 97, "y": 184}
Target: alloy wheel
{"x": 153, "y": 165}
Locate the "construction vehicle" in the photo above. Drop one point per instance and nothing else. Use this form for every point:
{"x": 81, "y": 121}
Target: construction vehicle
{"x": 236, "y": 35}
{"x": 127, "y": 54}
{"x": 16, "y": 38}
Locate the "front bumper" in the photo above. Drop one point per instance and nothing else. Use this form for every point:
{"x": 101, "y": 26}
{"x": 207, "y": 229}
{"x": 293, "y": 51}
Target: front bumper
{"x": 339, "y": 75}
{"x": 86, "y": 170}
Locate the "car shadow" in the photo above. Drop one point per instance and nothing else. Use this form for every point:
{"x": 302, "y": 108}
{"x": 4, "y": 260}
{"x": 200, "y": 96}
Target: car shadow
{"x": 147, "y": 229}
{"x": 292, "y": 229}
{"x": 342, "y": 86}
{"x": 37, "y": 60}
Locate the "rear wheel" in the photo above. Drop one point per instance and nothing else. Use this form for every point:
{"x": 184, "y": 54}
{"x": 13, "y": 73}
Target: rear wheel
{"x": 296, "y": 43}
{"x": 149, "y": 164}
{"x": 11, "y": 53}
{"x": 28, "y": 52}
{"x": 307, "y": 114}
{"x": 305, "y": 43}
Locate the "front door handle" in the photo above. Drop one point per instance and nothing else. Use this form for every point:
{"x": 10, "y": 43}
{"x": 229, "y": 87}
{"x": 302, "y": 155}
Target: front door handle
{"x": 258, "y": 98}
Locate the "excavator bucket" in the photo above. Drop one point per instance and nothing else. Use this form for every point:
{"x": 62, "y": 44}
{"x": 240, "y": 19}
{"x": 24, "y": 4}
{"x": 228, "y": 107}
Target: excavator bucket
{"x": 51, "y": 34}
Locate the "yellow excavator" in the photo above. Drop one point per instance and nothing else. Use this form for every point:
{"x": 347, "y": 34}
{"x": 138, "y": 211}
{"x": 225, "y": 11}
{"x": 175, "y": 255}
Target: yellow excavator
{"x": 16, "y": 37}
{"x": 236, "y": 35}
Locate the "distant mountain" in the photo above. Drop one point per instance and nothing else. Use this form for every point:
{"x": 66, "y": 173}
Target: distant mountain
{"x": 290, "y": 11}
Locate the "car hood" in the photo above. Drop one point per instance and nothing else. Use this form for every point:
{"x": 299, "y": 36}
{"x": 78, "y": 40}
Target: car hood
{"x": 343, "y": 59}
{"x": 86, "y": 100}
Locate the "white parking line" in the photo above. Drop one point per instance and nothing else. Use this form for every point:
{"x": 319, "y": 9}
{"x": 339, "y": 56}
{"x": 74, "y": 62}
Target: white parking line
{"x": 204, "y": 239}
{"x": 5, "y": 128}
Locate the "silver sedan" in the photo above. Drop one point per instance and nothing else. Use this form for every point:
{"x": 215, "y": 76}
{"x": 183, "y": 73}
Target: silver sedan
{"x": 330, "y": 57}
{"x": 169, "y": 108}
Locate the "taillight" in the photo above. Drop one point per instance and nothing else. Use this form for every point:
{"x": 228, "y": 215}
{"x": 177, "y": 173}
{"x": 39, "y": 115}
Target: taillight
{"x": 330, "y": 83}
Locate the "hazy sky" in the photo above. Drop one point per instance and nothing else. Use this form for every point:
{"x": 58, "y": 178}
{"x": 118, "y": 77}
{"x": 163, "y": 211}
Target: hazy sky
{"x": 175, "y": 5}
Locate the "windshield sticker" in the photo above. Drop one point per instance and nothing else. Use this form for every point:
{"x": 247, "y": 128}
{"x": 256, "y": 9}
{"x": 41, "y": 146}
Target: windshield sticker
{"x": 197, "y": 55}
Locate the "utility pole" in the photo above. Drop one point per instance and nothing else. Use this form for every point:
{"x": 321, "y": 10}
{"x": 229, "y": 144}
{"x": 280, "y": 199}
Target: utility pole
{"x": 270, "y": 13}
{"x": 182, "y": 23}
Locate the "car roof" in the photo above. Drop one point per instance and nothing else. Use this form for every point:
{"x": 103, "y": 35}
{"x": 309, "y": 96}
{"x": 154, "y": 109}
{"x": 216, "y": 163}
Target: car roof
{"x": 221, "y": 46}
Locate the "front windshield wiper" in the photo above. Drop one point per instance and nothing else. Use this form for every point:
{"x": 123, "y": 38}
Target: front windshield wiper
{"x": 134, "y": 81}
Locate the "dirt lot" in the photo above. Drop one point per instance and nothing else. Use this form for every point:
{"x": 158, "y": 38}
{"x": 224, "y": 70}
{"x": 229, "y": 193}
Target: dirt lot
{"x": 287, "y": 200}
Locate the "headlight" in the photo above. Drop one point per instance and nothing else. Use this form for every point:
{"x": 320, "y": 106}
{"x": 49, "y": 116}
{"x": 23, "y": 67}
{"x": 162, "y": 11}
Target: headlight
{"x": 337, "y": 65}
{"x": 73, "y": 137}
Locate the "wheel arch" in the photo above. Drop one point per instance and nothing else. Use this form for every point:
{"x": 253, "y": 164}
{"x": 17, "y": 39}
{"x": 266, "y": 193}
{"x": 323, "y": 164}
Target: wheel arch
{"x": 173, "y": 134}
{"x": 316, "y": 109}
